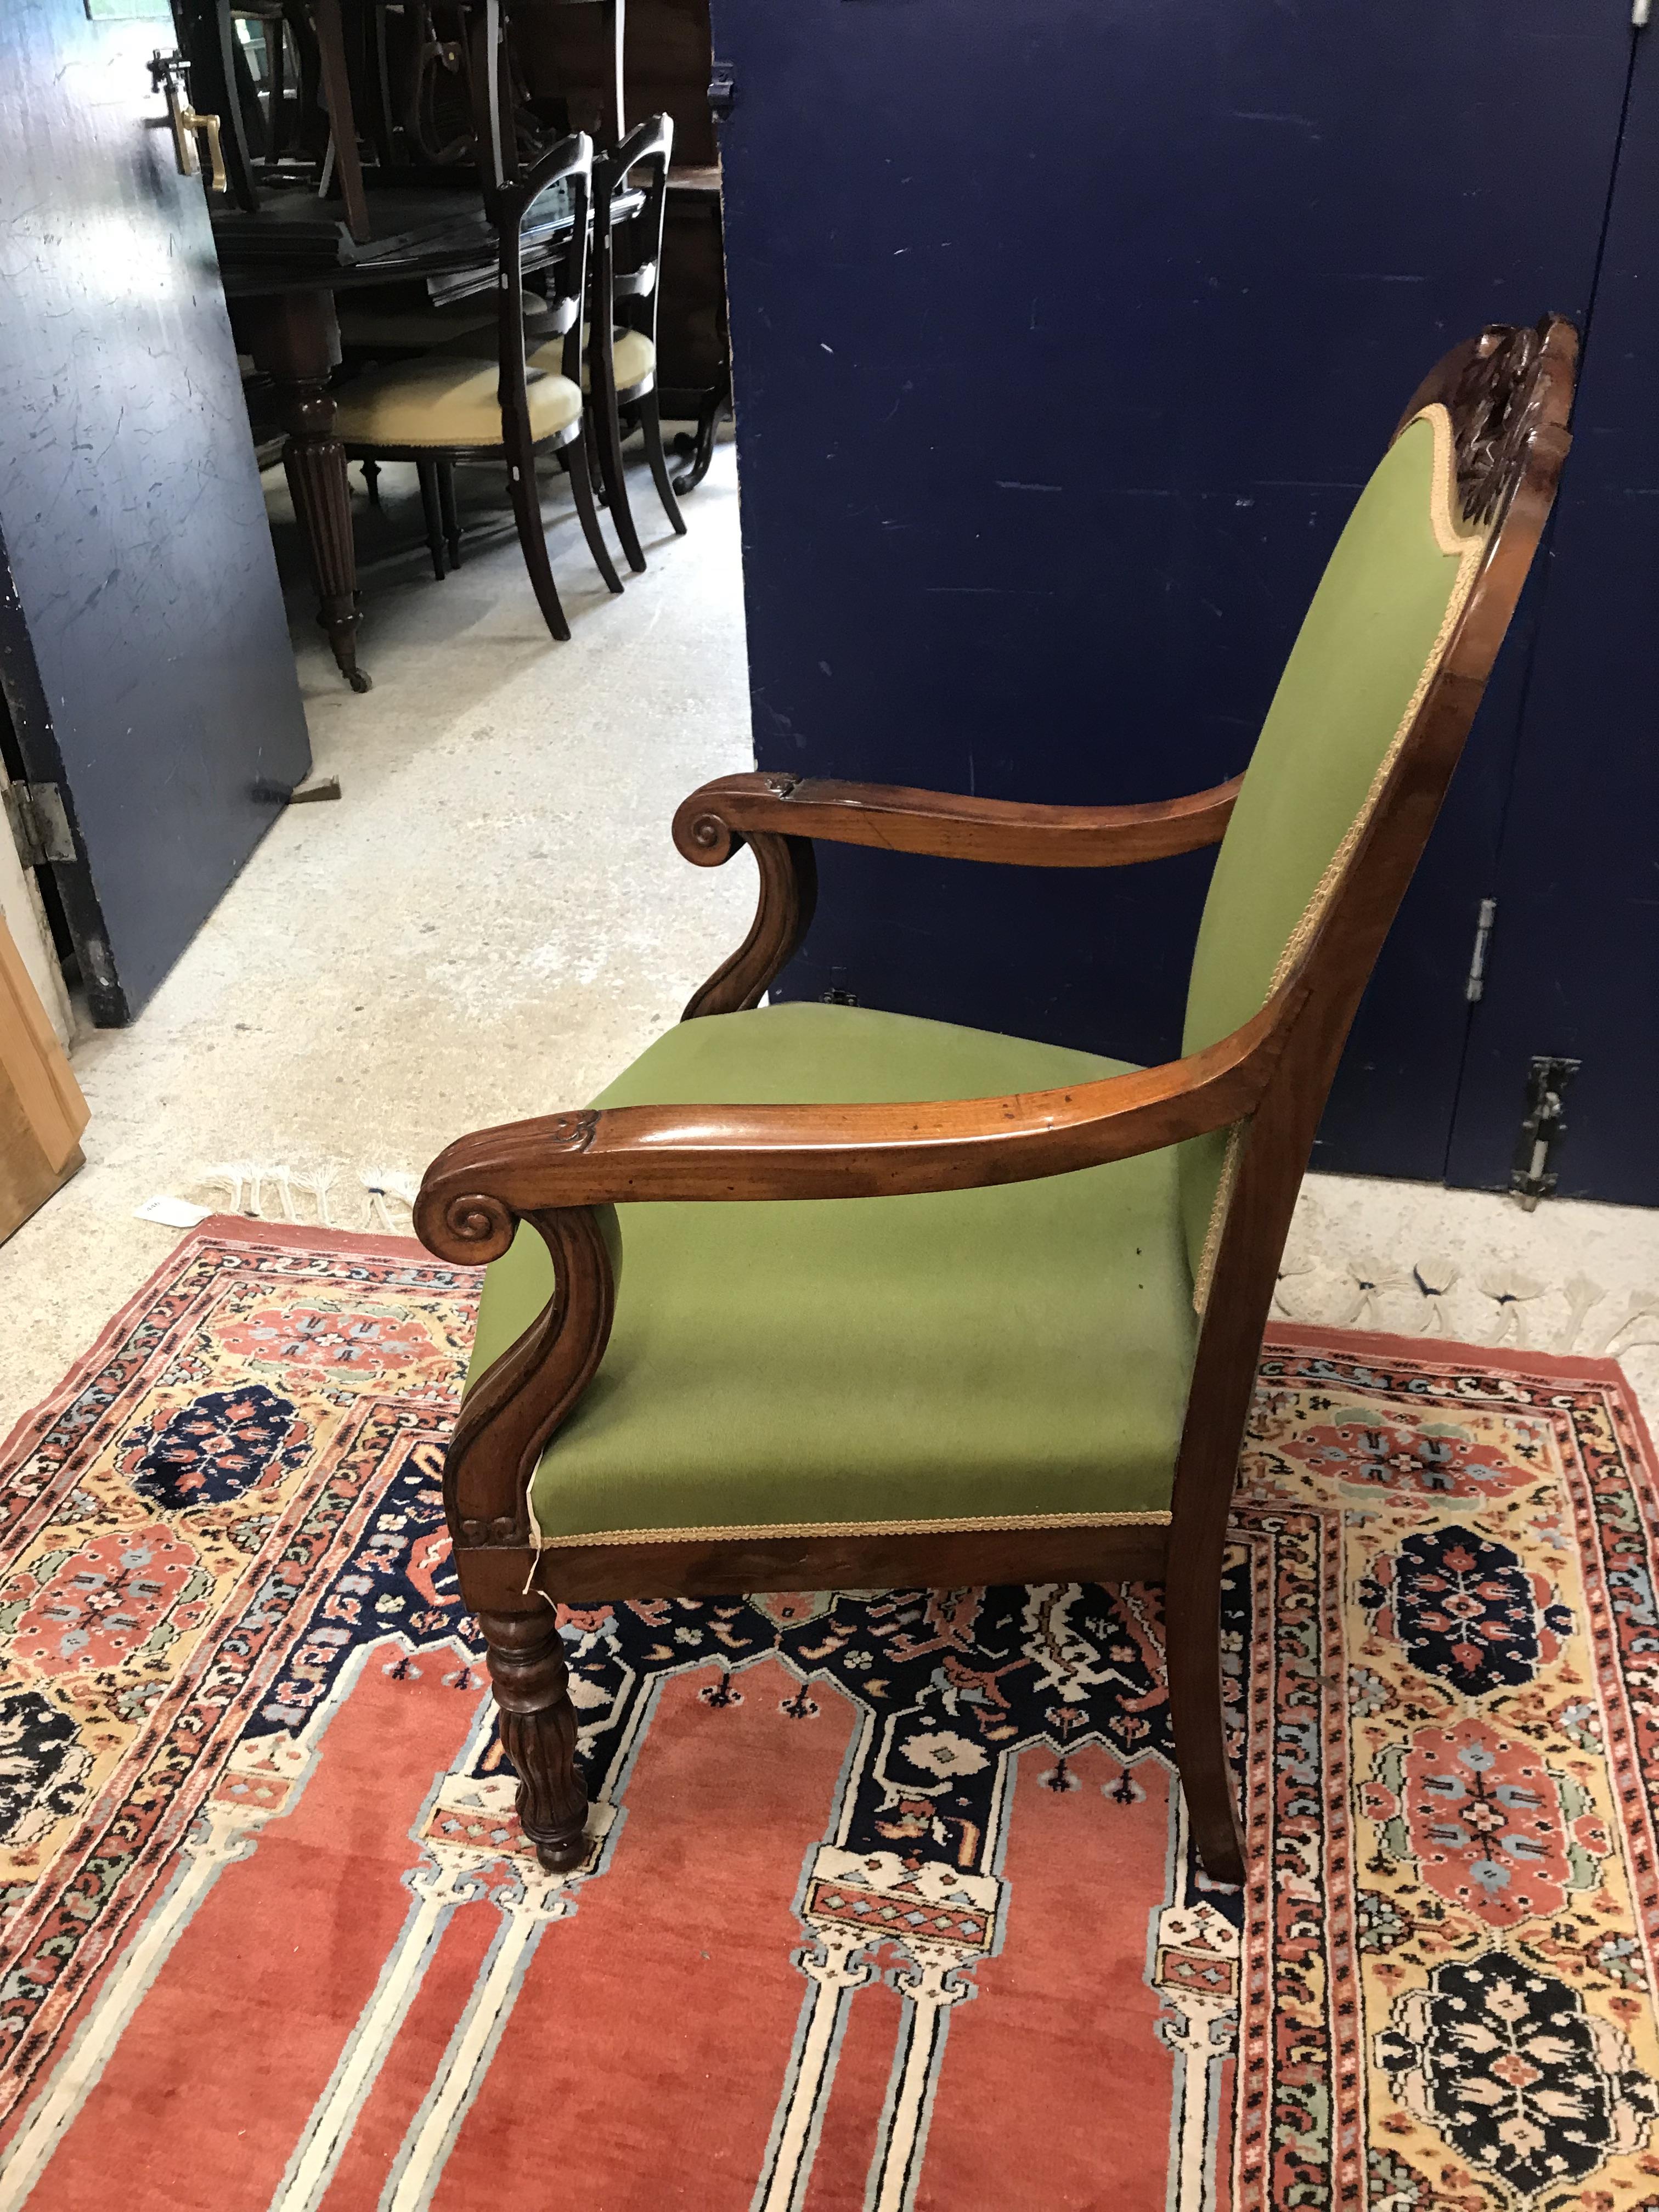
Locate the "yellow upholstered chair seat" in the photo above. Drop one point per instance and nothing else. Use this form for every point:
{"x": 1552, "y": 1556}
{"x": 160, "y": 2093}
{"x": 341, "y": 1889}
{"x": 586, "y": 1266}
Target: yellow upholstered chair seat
{"x": 633, "y": 353}
{"x": 634, "y": 356}
{"x": 446, "y": 400}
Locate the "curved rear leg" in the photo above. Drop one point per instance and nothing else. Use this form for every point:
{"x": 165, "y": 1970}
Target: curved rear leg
{"x": 610, "y": 468}
{"x": 650, "y": 423}
{"x": 1193, "y": 1631}
{"x": 575, "y": 457}
{"x": 532, "y": 537}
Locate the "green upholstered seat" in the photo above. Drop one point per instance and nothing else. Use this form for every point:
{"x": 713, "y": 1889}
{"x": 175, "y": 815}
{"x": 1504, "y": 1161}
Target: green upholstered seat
{"x": 1015, "y": 1353}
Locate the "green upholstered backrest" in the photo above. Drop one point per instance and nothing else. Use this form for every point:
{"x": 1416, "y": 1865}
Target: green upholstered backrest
{"x": 1383, "y": 612}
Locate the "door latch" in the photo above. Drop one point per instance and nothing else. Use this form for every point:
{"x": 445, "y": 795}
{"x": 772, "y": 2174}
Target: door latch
{"x": 39, "y": 825}
{"x": 1475, "y": 982}
{"x": 167, "y": 74}
{"x": 1532, "y": 1177}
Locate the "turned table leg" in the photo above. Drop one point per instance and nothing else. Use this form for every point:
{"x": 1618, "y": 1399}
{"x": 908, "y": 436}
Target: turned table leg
{"x": 539, "y": 1731}
{"x": 294, "y": 339}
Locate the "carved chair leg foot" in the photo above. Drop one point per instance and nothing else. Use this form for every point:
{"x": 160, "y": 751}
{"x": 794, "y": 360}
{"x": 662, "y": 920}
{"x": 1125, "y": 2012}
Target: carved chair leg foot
{"x": 539, "y": 1731}
{"x": 560, "y": 1858}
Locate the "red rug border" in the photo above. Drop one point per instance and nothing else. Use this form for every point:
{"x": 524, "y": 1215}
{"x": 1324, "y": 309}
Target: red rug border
{"x": 220, "y": 1229}
{"x": 1438, "y": 1351}
{"x": 242, "y": 1229}
{"x": 1452, "y": 1351}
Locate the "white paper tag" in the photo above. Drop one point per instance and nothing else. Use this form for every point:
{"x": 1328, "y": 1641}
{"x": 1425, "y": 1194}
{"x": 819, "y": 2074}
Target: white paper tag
{"x": 172, "y": 1213}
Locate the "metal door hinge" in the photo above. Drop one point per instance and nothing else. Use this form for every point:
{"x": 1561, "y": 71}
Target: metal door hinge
{"x": 1476, "y": 982}
{"x": 1532, "y": 1177}
{"x": 722, "y": 89}
{"x": 40, "y": 827}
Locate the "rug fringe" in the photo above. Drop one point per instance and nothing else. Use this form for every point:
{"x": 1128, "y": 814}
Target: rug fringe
{"x": 319, "y": 1197}
{"x": 1432, "y": 1298}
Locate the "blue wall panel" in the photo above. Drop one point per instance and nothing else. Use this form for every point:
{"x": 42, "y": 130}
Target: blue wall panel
{"x": 1064, "y": 335}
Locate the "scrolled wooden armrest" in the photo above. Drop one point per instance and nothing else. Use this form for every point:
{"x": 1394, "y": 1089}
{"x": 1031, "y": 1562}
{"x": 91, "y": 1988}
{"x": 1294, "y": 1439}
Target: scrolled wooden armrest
{"x": 476, "y": 1192}
{"x": 715, "y": 820}
{"x": 779, "y": 817}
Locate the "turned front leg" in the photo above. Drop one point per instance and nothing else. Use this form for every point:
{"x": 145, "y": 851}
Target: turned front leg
{"x": 539, "y": 1731}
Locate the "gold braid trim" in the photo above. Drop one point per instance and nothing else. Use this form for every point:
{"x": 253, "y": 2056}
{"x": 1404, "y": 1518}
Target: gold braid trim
{"x": 1218, "y": 1205}
{"x": 789, "y": 1530}
{"x": 1470, "y": 547}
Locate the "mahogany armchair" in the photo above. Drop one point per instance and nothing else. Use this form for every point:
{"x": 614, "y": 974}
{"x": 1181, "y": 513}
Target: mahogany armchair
{"x": 909, "y": 1304}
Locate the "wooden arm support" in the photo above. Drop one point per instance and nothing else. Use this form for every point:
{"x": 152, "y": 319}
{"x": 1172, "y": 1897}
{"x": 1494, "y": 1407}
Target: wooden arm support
{"x": 779, "y": 816}
{"x": 713, "y": 821}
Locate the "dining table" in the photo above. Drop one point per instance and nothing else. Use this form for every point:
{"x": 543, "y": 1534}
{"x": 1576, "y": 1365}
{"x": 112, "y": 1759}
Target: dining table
{"x": 284, "y": 266}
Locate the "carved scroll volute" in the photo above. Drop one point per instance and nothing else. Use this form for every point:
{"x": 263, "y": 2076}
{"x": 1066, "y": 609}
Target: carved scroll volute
{"x": 513, "y": 1411}
{"x": 1495, "y": 411}
{"x": 471, "y": 1226}
{"x": 703, "y": 830}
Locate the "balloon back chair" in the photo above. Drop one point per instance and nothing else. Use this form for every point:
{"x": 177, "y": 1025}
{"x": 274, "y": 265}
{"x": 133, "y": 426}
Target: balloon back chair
{"x": 816, "y": 1297}
{"x": 620, "y": 371}
{"x": 448, "y": 406}
{"x": 624, "y": 372}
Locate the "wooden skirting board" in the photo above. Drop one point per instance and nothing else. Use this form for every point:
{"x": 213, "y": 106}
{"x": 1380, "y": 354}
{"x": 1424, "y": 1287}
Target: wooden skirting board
{"x": 42, "y": 1112}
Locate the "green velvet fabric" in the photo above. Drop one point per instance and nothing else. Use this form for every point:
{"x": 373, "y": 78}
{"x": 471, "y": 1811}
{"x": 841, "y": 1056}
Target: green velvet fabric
{"x": 1023, "y": 1350}
{"x": 1363, "y": 649}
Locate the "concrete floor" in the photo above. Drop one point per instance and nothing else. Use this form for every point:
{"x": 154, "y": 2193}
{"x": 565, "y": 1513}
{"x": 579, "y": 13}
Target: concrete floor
{"x": 492, "y": 922}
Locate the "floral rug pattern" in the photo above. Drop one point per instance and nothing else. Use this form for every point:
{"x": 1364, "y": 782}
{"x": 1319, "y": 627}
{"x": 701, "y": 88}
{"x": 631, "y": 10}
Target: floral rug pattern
{"x": 252, "y": 1801}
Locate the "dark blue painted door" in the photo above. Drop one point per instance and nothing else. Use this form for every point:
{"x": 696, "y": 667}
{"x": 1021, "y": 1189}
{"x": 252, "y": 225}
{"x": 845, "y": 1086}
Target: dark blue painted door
{"x": 1064, "y": 336}
{"x": 1574, "y": 969}
{"x": 144, "y": 658}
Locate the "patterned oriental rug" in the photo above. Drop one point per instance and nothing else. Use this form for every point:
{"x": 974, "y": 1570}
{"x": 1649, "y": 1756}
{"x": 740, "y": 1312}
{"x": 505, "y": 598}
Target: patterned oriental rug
{"x": 891, "y": 1903}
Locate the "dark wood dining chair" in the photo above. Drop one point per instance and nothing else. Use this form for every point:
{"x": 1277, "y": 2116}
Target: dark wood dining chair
{"x": 904, "y": 1304}
{"x": 619, "y": 337}
{"x": 259, "y": 143}
{"x": 622, "y": 348}
{"x": 444, "y": 407}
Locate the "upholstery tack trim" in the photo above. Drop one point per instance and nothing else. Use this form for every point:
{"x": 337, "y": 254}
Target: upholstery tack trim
{"x": 789, "y": 1530}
